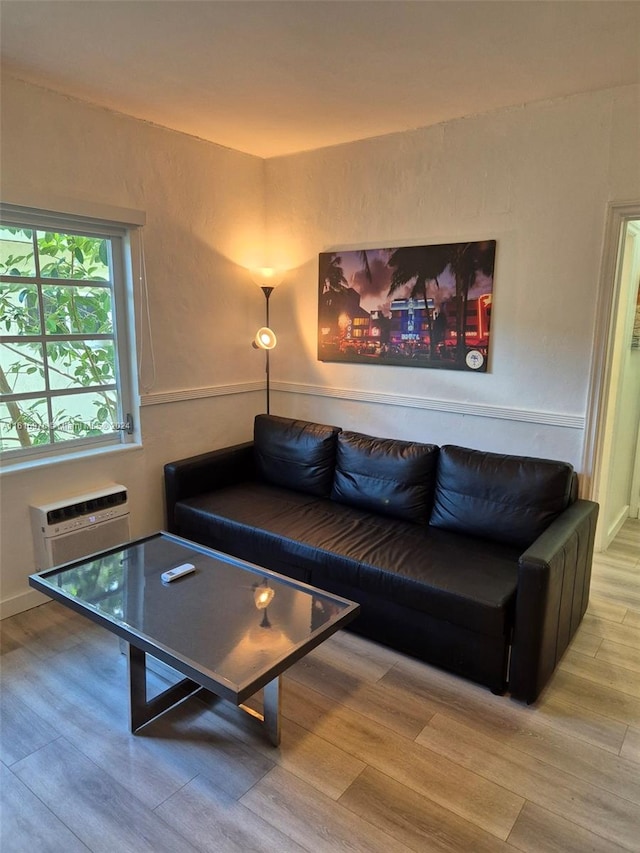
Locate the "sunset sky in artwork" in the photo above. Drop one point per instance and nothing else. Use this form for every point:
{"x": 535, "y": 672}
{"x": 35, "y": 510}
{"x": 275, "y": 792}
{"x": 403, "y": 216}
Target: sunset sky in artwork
{"x": 374, "y": 294}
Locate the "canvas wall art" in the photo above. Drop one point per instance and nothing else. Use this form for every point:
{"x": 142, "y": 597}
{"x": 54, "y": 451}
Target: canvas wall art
{"x": 413, "y": 306}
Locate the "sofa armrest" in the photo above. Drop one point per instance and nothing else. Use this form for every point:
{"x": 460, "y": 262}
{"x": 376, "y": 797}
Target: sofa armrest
{"x": 554, "y": 576}
{"x": 196, "y": 475}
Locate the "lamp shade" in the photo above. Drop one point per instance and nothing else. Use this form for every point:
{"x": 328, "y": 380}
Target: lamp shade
{"x": 265, "y": 338}
{"x": 266, "y": 277}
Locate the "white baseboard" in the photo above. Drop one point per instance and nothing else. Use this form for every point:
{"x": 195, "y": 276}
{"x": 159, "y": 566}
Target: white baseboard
{"x": 20, "y": 603}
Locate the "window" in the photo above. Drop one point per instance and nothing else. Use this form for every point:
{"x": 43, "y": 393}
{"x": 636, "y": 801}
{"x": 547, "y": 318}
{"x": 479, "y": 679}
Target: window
{"x": 64, "y": 331}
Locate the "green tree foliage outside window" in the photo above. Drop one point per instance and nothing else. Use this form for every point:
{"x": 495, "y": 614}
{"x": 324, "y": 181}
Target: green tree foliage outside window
{"x": 58, "y": 372}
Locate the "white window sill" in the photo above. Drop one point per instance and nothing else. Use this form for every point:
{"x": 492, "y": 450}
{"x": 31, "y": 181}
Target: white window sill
{"x": 7, "y": 468}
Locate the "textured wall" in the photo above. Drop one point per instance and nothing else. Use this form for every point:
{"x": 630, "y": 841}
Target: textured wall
{"x": 538, "y": 180}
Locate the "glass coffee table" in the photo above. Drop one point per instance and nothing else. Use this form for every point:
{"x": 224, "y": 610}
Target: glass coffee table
{"x": 229, "y": 627}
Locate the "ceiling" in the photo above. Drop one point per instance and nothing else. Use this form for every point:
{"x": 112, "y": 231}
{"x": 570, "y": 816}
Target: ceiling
{"x": 272, "y": 77}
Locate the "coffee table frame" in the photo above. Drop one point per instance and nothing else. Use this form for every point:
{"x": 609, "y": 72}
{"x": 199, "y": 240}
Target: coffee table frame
{"x": 196, "y": 680}
{"x": 143, "y": 710}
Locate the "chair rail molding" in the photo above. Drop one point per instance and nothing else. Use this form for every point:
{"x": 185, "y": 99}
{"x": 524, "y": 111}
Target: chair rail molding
{"x": 557, "y": 419}
{"x": 561, "y": 419}
{"x": 157, "y": 398}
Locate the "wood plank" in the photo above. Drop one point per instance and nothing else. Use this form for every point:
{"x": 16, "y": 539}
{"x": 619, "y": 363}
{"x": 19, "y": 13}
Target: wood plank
{"x": 415, "y": 820}
{"x": 618, "y": 678}
{"x": 523, "y": 727}
{"x": 23, "y": 730}
{"x": 404, "y": 714}
{"x": 624, "y": 547}
{"x": 152, "y": 766}
{"x": 540, "y": 831}
{"x": 579, "y": 722}
{"x": 585, "y": 643}
{"x": 582, "y": 692}
{"x": 622, "y": 656}
{"x": 467, "y": 794}
{"x": 364, "y": 657}
{"x": 213, "y": 821}
{"x": 562, "y": 793}
{"x": 88, "y": 724}
{"x": 616, "y": 559}
{"x": 301, "y": 752}
{"x": 471, "y": 702}
{"x": 600, "y": 608}
{"x": 27, "y": 825}
{"x": 194, "y": 739}
{"x": 625, "y": 634}
{"x": 632, "y": 617}
{"x": 618, "y": 592}
{"x": 631, "y": 746}
{"x": 314, "y": 821}
{"x": 102, "y": 814}
{"x": 44, "y": 630}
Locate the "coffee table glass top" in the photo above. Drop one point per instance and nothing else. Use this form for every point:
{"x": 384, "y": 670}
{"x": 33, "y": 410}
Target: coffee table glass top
{"x": 234, "y": 623}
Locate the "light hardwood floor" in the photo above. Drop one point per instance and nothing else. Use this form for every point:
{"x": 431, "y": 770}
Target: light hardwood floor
{"x": 379, "y": 752}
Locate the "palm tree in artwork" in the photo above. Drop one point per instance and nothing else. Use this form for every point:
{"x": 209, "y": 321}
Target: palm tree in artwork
{"x": 331, "y": 272}
{"x": 364, "y": 257}
{"x": 333, "y": 284}
{"x": 422, "y": 265}
{"x": 467, "y": 260}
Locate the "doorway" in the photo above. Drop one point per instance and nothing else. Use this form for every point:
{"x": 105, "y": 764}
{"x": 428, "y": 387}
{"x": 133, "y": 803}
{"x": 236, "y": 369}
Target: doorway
{"x": 612, "y": 441}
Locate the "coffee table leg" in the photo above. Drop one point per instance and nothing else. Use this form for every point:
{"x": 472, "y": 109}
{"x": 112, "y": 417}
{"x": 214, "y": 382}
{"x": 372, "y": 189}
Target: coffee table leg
{"x": 143, "y": 710}
{"x": 136, "y": 660}
{"x": 271, "y": 699}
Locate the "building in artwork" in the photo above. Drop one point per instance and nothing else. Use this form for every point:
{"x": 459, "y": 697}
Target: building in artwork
{"x": 409, "y": 320}
{"x": 415, "y": 327}
{"x": 342, "y": 321}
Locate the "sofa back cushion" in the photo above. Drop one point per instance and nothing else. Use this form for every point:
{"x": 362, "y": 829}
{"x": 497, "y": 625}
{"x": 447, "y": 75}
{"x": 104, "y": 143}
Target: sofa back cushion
{"x": 295, "y": 454}
{"x": 509, "y": 499}
{"x": 385, "y": 476}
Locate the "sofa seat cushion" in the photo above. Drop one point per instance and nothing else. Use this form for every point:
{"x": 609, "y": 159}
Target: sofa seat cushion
{"x": 463, "y": 580}
{"x": 386, "y": 476}
{"x": 245, "y": 521}
{"x": 469, "y": 582}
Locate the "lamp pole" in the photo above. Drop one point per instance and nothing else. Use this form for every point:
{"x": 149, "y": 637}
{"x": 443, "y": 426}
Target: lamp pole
{"x": 267, "y": 290}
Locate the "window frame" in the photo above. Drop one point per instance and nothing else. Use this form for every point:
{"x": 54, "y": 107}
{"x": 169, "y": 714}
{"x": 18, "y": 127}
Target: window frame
{"x": 118, "y": 235}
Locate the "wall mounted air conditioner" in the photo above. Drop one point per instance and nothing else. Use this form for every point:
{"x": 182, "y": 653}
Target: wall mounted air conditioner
{"x": 73, "y": 528}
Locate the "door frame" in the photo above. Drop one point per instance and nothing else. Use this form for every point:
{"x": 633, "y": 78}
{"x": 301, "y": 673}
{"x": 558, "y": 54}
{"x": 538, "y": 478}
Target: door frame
{"x": 600, "y": 380}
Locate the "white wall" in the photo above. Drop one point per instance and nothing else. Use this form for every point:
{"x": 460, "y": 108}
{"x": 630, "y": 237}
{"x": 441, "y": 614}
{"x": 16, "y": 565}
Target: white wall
{"x": 205, "y": 211}
{"x": 537, "y": 179}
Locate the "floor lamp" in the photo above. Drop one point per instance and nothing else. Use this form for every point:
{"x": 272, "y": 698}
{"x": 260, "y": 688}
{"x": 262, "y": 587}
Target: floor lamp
{"x": 265, "y": 337}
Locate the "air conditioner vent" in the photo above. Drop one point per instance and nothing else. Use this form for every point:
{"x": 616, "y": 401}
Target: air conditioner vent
{"x": 86, "y": 507}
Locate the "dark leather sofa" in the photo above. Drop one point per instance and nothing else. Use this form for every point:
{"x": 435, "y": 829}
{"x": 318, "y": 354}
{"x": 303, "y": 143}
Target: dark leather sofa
{"x": 476, "y": 562}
